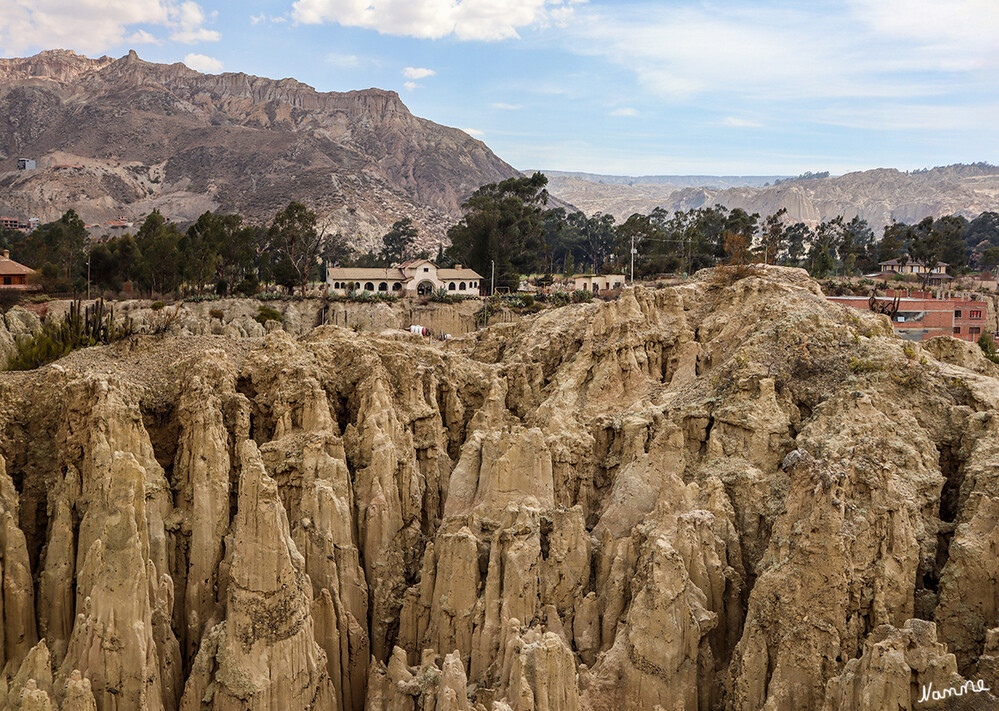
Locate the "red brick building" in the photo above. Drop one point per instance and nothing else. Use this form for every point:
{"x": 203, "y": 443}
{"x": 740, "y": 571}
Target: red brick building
{"x": 920, "y": 318}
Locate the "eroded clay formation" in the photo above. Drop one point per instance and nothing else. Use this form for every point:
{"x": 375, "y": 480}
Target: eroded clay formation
{"x": 717, "y": 495}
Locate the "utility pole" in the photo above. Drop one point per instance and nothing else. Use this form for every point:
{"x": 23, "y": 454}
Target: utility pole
{"x": 633, "y": 250}
{"x": 492, "y": 286}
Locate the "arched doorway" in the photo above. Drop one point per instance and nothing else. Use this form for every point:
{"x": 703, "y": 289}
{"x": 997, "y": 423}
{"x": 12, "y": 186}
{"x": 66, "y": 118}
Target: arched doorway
{"x": 425, "y": 288}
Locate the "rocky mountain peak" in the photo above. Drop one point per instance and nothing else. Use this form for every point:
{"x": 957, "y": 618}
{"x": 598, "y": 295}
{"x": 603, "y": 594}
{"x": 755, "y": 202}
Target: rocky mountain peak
{"x": 171, "y": 138}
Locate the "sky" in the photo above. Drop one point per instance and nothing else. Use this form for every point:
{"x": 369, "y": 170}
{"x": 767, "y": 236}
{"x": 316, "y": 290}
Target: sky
{"x": 633, "y": 87}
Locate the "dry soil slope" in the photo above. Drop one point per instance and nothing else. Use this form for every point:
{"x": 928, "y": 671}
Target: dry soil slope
{"x": 153, "y": 135}
{"x": 711, "y": 496}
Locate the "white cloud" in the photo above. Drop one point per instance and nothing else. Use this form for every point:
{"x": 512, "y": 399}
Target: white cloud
{"x": 433, "y": 19}
{"x": 506, "y": 107}
{"x": 202, "y": 63}
{"x": 97, "y": 25}
{"x": 972, "y": 24}
{"x": 473, "y": 132}
{"x": 344, "y": 61}
{"x": 411, "y": 85}
{"x": 257, "y": 19}
{"x": 871, "y": 49}
{"x": 736, "y": 122}
{"x": 142, "y": 37}
{"x": 190, "y": 18}
{"x": 625, "y": 111}
{"x": 417, "y": 72}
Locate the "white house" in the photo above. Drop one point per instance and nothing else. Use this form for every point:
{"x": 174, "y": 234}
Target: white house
{"x": 597, "y": 283}
{"x": 416, "y": 277}
{"x": 938, "y": 275}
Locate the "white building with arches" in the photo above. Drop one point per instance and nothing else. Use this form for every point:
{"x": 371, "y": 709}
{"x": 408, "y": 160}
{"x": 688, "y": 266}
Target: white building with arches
{"x": 416, "y": 277}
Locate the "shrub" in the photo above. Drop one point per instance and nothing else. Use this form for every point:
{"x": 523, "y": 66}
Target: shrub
{"x": 249, "y": 286}
{"x": 157, "y": 305}
{"x": 216, "y": 313}
{"x": 364, "y": 297}
{"x": 728, "y": 274}
{"x": 581, "y": 296}
{"x": 275, "y": 296}
{"x": 559, "y": 298}
{"x": 79, "y": 328}
{"x": 909, "y": 376}
{"x": 858, "y": 365}
{"x": 9, "y": 298}
{"x": 197, "y": 298}
{"x": 441, "y": 296}
{"x": 988, "y": 345}
{"x": 267, "y": 313}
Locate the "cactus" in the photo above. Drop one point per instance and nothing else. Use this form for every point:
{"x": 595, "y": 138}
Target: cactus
{"x": 81, "y": 327}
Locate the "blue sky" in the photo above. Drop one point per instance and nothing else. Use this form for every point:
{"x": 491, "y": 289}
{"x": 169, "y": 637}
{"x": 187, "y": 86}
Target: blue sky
{"x": 634, "y": 87}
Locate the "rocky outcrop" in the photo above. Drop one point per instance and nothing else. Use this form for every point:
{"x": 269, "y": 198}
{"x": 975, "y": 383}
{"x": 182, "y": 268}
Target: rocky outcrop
{"x": 265, "y": 653}
{"x": 689, "y": 498}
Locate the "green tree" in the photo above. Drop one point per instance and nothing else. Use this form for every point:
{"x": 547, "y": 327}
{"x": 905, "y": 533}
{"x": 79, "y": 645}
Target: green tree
{"x": 161, "y": 265}
{"x": 201, "y": 244}
{"x": 398, "y": 240}
{"x": 990, "y": 257}
{"x": 854, "y": 238}
{"x": 502, "y": 224}
{"x": 797, "y": 236}
{"x": 822, "y": 253}
{"x": 569, "y": 265}
{"x": 979, "y": 235}
{"x": 773, "y": 237}
{"x": 61, "y": 244}
{"x": 937, "y": 242}
{"x": 297, "y": 243}
{"x": 892, "y": 244}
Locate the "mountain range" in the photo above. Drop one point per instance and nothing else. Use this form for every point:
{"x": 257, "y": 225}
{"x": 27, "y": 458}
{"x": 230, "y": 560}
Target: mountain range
{"x": 121, "y": 137}
{"x": 115, "y": 139}
{"x": 878, "y": 196}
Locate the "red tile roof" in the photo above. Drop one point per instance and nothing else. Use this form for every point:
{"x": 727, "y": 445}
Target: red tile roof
{"x": 8, "y": 267}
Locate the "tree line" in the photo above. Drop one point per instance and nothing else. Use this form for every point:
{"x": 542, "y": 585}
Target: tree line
{"x": 507, "y": 225}
{"x": 218, "y": 252}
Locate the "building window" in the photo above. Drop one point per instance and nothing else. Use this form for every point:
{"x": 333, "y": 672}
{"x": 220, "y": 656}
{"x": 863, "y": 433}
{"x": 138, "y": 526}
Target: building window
{"x": 461, "y": 287}
{"x": 383, "y": 287}
{"x": 397, "y": 287}
{"x": 450, "y": 286}
{"x": 974, "y": 331}
{"x": 426, "y": 269}
{"x": 957, "y": 313}
{"x": 6, "y": 281}
{"x": 975, "y": 314}
{"x": 369, "y": 286}
{"x": 957, "y": 330}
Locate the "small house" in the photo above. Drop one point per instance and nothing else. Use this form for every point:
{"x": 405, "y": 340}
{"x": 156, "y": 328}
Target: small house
{"x": 598, "y": 283}
{"x": 12, "y": 274}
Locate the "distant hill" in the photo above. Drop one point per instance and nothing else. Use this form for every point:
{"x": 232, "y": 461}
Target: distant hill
{"x": 878, "y": 196}
{"x": 133, "y": 136}
{"x": 678, "y": 181}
